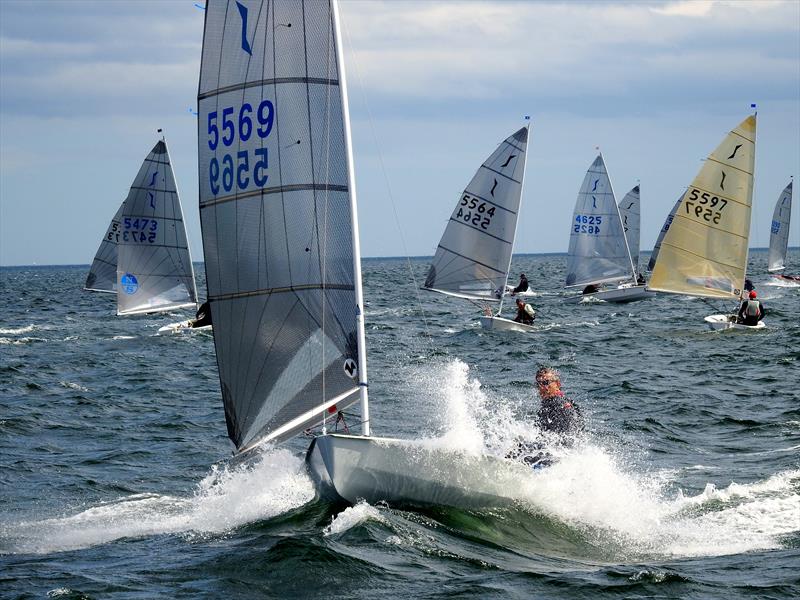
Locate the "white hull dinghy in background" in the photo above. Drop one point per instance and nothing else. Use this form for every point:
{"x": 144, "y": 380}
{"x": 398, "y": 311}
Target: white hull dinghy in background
{"x": 704, "y": 249}
{"x": 473, "y": 257}
{"x": 720, "y": 322}
{"x": 623, "y": 293}
{"x": 407, "y": 473}
{"x": 500, "y": 324}
{"x": 181, "y": 327}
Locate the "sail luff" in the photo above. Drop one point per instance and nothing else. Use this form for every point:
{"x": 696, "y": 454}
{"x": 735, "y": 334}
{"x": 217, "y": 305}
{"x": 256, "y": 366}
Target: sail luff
{"x": 779, "y": 231}
{"x": 704, "y": 252}
{"x": 351, "y": 184}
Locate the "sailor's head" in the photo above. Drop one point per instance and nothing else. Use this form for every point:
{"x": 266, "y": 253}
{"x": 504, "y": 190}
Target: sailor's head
{"x": 520, "y": 303}
{"x": 753, "y": 294}
{"x": 522, "y": 275}
{"x": 548, "y": 382}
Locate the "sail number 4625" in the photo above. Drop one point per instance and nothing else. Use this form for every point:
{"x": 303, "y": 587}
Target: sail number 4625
{"x": 702, "y": 204}
{"x": 227, "y": 126}
{"x": 587, "y": 224}
{"x": 473, "y": 211}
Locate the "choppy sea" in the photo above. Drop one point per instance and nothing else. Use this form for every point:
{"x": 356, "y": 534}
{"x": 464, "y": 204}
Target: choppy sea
{"x": 115, "y": 483}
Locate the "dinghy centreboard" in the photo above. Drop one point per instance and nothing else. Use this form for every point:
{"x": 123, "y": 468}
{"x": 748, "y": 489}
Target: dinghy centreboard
{"x": 704, "y": 251}
{"x": 473, "y": 258}
{"x": 280, "y": 237}
{"x": 598, "y": 248}
{"x": 154, "y": 268}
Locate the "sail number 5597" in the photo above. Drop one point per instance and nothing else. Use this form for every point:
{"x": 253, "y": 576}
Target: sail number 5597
{"x": 703, "y": 205}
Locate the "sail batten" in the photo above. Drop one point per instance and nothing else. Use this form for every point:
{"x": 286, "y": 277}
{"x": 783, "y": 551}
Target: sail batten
{"x": 703, "y": 251}
{"x": 474, "y": 254}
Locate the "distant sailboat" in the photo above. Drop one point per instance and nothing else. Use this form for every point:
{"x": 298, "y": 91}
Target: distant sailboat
{"x": 598, "y": 249}
{"x": 283, "y": 264}
{"x": 704, "y": 252}
{"x": 154, "y": 268}
{"x": 102, "y": 275}
{"x": 474, "y": 255}
{"x": 664, "y": 228}
{"x": 779, "y": 235}
{"x": 630, "y": 213}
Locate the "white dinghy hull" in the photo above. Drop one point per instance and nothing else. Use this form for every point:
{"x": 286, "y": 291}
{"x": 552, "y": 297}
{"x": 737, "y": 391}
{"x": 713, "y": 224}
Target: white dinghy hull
{"x": 403, "y": 472}
{"x": 719, "y": 322}
{"x": 501, "y": 324}
{"x": 180, "y": 327}
{"x": 630, "y": 293}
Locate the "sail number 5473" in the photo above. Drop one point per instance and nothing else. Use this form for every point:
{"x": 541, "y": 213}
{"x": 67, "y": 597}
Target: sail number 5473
{"x": 706, "y": 206}
{"x": 227, "y": 126}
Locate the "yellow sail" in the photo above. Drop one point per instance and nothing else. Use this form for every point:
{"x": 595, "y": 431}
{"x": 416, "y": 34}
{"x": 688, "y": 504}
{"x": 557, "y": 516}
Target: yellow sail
{"x": 704, "y": 252}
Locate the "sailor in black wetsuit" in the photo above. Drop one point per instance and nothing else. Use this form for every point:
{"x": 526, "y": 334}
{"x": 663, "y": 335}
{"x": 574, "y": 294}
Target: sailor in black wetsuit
{"x": 203, "y": 316}
{"x": 523, "y": 285}
{"x": 557, "y": 414}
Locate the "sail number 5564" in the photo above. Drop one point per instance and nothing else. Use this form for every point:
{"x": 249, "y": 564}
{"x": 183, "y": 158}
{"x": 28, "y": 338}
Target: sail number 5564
{"x": 471, "y": 210}
{"x": 702, "y": 204}
{"x": 236, "y": 170}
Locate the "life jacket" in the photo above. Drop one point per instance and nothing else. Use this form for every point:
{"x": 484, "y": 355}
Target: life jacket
{"x": 753, "y": 308}
{"x": 530, "y": 312}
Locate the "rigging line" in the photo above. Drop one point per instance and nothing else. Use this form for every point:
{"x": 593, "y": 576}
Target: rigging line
{"x": 354, "y": 55}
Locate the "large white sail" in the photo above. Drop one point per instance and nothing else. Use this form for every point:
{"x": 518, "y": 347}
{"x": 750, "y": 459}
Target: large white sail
{"x": 154, "y": 268}
{"x": 779, "y": 232}
{"x": 630, "y": 212}
{"x": 474, "y": 254}
{"x": 102, "y": 275}
{"x": 664, "y": 228}
{"x": 277, "y": 208}
{"x": 704, "y": 253}
{"x": 598, "y": 252}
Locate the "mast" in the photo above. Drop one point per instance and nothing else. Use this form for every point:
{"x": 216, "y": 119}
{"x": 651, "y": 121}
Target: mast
{"x": 516, "y": 223}
{"x": 351, "y": 184}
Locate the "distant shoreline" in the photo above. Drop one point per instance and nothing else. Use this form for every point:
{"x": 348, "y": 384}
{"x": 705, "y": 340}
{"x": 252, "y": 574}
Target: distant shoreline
{"x": 366, "y": 258}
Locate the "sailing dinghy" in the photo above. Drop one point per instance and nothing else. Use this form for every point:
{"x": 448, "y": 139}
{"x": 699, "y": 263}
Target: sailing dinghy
{"x": 704, "y": 252}
{"x": 779, "y": 236}
{"x": 473, "y": 258}
{"x": 154, "y": 268}
{"x": 102, "y": 275}
{"x": 280, "y": 236}
{"x": 598, "y": 247}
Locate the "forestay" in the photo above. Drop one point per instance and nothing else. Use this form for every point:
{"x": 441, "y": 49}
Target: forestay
{"x": 154, "y": 268}
{"x": 629, "y": 211}
{"x": 277, "y": 211}
{"x": 664, "y": 228}
{"x": 779, "y": 232}
{"x": 598, "y": 252}
{"x": 474, "y": 254}
{"x": 704, "y": 252}
{"x": 102, "y": 275}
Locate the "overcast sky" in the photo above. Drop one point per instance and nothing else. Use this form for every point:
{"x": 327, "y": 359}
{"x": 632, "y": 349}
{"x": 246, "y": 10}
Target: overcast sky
{"x": 434, "y": 87}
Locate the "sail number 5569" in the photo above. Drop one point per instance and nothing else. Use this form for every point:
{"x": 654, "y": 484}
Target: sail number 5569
{"x": 223, "y": 128}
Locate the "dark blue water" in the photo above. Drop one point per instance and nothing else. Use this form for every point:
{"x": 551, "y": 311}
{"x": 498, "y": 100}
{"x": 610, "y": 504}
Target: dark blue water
{"x": 114, "y": 484}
